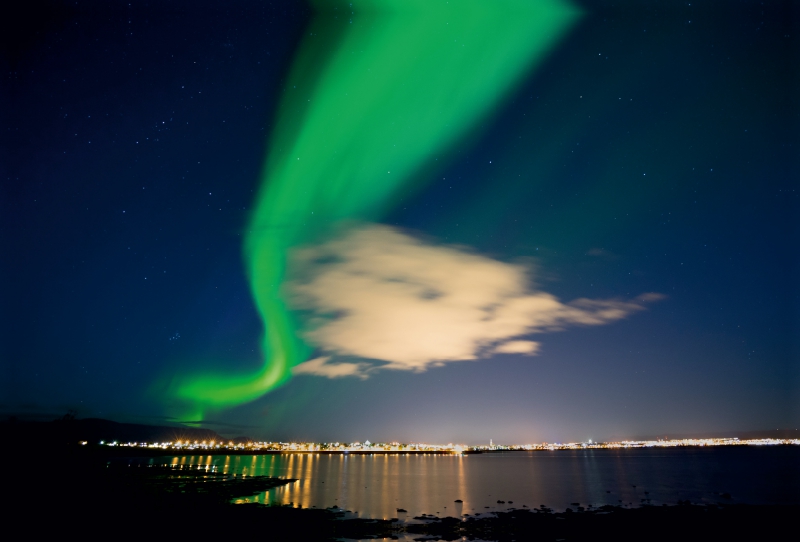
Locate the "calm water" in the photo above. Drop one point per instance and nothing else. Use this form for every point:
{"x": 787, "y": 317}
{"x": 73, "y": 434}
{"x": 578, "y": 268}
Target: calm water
{"x": 376, "y": 485}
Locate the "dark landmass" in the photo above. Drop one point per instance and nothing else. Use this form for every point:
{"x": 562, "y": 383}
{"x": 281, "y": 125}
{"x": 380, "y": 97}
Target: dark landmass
{"x": 69, "y": 429}
{"x": 678, "y": 522}
{"x": 127, "y": 451}
{"x": 18, "y": 437}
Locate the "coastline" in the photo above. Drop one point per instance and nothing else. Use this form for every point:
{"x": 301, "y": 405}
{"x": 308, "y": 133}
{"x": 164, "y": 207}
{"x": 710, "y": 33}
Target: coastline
{"x": 90, "y": 495}
{"x": 143, "y": 452}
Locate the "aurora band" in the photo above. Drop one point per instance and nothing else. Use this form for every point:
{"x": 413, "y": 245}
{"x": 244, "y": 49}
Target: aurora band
{"x": 378, "y": 90}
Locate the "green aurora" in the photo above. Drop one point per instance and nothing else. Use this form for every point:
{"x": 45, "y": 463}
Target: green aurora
{"x": 379, "y": 90}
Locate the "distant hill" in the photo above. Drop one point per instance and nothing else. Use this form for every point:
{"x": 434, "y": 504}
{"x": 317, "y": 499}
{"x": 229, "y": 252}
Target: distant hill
{"x": 95, "y": 430}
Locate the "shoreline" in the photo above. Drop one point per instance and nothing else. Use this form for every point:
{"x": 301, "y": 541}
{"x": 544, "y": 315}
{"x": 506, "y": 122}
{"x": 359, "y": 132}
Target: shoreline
{"x": 130, "y": 451}
{"x": 137, "y": 451}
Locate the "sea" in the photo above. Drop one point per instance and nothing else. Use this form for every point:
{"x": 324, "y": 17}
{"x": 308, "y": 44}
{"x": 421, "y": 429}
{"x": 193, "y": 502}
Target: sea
{"x": 407, "y": 485}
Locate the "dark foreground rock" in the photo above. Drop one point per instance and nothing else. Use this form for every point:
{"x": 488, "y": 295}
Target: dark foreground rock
{"x": 678, "y": 522}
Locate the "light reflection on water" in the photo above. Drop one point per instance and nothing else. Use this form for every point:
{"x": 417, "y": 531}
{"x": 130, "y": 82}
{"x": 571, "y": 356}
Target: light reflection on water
{"x": 376, "y": 486}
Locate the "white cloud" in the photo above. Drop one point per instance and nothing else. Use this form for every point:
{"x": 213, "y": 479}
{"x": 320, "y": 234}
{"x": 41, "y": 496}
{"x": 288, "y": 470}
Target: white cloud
{"x": 322, "y": 367}
{"x": 517, "y": 347}
{"x": 379, "y": 294}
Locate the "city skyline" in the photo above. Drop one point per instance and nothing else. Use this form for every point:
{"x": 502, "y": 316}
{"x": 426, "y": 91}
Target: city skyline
{"x": 367, "y": 446}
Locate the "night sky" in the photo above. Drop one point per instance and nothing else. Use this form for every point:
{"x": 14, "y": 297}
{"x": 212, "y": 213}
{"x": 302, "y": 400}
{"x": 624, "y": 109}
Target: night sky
{"x": 592, "y": 233}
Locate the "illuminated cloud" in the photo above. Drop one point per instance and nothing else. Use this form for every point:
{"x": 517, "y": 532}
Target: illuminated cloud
{"x": 381, "y": 295}
{"x": 321, "y": 367}
{"x": 517, "y": 347}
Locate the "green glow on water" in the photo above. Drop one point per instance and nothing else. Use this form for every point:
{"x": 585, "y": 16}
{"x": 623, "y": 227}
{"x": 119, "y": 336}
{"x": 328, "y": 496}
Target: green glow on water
{"x": 378, "y": 91}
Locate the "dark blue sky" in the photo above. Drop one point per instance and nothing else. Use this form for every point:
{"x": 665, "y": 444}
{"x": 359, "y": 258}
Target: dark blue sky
{"x": 655, "y": 151}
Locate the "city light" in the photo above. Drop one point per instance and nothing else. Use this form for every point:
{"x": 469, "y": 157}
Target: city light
{"x": 450, "y": 448}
